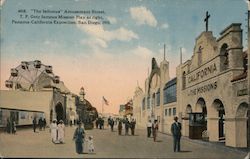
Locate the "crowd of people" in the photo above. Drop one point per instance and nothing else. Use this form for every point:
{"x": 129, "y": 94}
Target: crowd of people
{"x": 41, "y": 123}
{"x": 57, "y": 130}
{"x": 11, "y": 126}
{"x": 119, "y": 122}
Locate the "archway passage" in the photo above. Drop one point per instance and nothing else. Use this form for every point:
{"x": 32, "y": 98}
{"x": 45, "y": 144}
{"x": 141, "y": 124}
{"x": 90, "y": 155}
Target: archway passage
{"x": 198, "y": 121}
{"x": 221, "y": 114}
{"x": 59, "y": 112}
{"x": 243, "y": 124}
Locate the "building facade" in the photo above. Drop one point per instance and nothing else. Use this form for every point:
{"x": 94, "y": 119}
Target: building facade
{"x": 210, "y": 93}
{"x": 158, "y": 101}
{"x": 212, "y": 89}
{"x": 34, "y": 91}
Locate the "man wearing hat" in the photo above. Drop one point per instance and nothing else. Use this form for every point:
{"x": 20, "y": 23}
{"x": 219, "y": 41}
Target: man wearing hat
{"x": 176, "y": 132}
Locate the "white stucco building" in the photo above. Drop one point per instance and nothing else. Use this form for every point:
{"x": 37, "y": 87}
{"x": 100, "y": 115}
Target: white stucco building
{"x": 210, "y": 93}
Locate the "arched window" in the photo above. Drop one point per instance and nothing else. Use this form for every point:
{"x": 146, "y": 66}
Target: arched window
{"x": 224, "y": 62}
{"x": 148, "y": 102}
{"x": 143, "y": 104}
{"x": 153, "y": 100}
{"x": 199, "y": 55}
{"x": 158, "y": 97}
{"x": 184, "y": 80}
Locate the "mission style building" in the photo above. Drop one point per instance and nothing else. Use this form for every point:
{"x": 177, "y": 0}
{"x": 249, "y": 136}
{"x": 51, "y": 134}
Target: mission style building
{"x": 209, "y": 93}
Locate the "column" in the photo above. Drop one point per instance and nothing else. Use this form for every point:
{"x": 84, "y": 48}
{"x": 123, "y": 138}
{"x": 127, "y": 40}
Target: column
{"x": 213, "y": 128}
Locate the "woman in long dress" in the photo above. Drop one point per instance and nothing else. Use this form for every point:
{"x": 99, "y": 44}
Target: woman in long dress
{"x": 79, "y": 136}
{"x": 53, "y": 130}
{"x": 61, "y": 130}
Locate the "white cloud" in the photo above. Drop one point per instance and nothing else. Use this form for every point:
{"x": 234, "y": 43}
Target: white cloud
{"x": 248, "y": 2}
{"x": 142, "y": 15}
{"x": 142, "y": 52}
{"x": 2, "y": 2}
{"x": 112, "y": 20}
{"x": 164, "y": 26}
{"x": 95, "y": 42}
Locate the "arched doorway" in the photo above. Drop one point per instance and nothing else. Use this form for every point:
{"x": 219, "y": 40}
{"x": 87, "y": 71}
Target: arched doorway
{"x": 201, "y": 107}
{"x": 243, "y": 112}
{"x": 218, "y": 105}
{"x": 59, "y": 112}
{"x": 198, "y": 121}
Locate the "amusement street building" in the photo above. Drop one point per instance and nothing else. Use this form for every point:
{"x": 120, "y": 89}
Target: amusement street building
{"x": 209, "y": 94}
{"x": 34, "y": 91}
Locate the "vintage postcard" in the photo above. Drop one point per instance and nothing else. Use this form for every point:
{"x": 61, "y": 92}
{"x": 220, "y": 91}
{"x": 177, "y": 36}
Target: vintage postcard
{"x": 125, "y": 79}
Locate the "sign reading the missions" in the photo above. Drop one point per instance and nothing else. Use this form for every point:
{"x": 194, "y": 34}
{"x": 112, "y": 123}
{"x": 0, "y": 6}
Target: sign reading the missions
{"x": 203, "y": 89}
{"x": 202, "y": 73}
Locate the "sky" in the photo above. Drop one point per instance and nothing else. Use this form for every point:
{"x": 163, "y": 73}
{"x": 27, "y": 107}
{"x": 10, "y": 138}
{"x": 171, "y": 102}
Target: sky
{"x": 108, "y": 59}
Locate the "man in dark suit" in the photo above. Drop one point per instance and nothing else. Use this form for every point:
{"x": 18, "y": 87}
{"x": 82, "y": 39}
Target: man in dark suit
{"x": 176, "y": 132}
{"x": 34, "y": 124}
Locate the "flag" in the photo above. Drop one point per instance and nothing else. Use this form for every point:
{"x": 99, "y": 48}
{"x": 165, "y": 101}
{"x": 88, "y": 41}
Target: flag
{"x": 105, "y": 100}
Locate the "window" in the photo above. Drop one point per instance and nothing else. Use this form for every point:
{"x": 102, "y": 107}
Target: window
{"x": 169, "y": 111}
{"x": 174, "y": 111}
{"x": 153, "y": 100}
{"x": 158, "y": 119}
{"x": 170, "y": 92}
{"x": 143, "y": 104}
{"x": 158, "y": 98}
{"x": 184, "y": 80}
{"x": 199, "y": 55}
{"x": 148, "y": 103}
{"x": 166, "y": 112}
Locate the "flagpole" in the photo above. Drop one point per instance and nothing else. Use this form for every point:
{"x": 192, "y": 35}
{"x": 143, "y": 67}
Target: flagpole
{"x": 102, "y": 106}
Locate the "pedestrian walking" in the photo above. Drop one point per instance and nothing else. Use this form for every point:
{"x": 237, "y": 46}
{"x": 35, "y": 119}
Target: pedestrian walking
{"x": 127, "y": 125}
{"x": 120, "y": 127}
{"x": 44, "y": 123}
{"x": 112, "y": 124}
{"x": 176, "y": 132}
{"x": 40, "y": 123}
{"x": 102, "y": 121}
{"x": 8, "y": 126}
{"x": 14, "y": 127}
{"x": 132, "y": 126}
{"x": 79, "y": 136}
{"x": 61, "y": 131}
{"x": 149, "y": 128}
{"x": 155, "y": 129}
{"x": 90, "y": 143}
{"x": 34, "y": 122}
{"x": 53, "y": 131}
